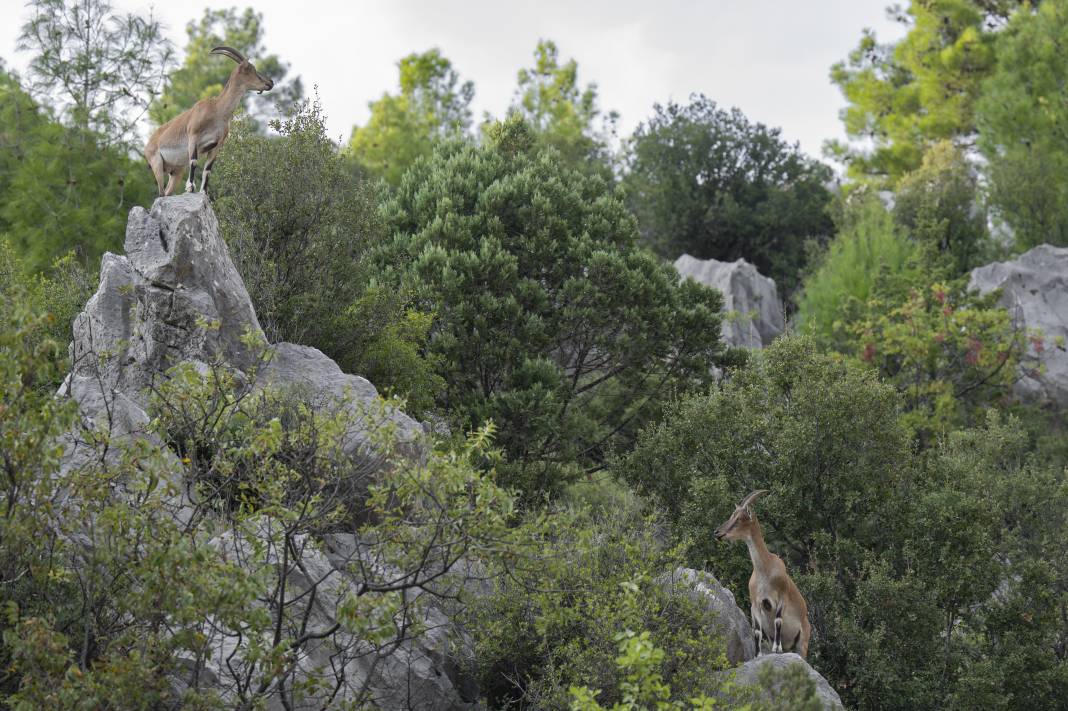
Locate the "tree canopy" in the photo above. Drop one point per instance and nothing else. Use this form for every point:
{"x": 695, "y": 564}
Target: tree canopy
{"x": 432, "y": 105}
{"x": 713, "y": 184}
{"x": 1023, "y": 119}
{"x": 550, "y": 319}
{"x": 903, "y": 97}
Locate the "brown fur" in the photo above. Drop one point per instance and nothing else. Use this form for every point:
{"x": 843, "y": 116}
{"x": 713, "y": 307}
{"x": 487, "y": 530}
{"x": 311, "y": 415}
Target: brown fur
{"x": 772, "y": 593}
{"x": 194, "y": 136}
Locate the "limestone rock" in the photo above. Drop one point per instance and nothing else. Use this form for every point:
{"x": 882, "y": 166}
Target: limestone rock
{"x": 308, "y": 371}
{"x": 734, "y": 624}
{"x": 175, "y": 296}
{"x": 747, "y": 675}
{"x": 752, "y": 309}
{"x": 1035, "y": 292}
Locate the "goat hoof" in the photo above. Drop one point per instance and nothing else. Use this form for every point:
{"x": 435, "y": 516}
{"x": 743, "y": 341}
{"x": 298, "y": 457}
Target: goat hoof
{"x": 189, "y": 187}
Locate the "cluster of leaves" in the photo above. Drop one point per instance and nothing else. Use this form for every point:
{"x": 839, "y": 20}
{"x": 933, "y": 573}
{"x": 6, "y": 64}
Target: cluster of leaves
{"x": 432, "y": 105}
{"x": 912, "y": 565}
{"x": 563, "y": 114}
{"x": 1022, "y": 118}
{"x": 549, "y": 318}
{"x": 64, "y": 187}
{"x": 557, "y": 619}
{"x": 949, "y": 353}
{"x": 906, "y": 96}
{"x": 712, "y": 184}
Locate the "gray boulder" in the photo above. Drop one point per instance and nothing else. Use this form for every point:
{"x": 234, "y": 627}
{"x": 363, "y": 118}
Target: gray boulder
{"x": 753, "y": 311}
{"x": 748, "y": 675}
{"x": 177, "y": 297}
{"x": 311, "y": 373}
{"x": 733, "y": 623}
{"x": 1034, "y": 289}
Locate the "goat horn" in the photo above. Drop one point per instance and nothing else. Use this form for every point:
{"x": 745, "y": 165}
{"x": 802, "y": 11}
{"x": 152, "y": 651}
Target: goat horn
{"x": 752, "y": 497}
{"x": 230, "y": 52}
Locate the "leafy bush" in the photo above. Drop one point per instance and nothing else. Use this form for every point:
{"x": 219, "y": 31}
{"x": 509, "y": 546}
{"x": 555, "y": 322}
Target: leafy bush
{"x": 550, "y": 320}
{"x": 126, "y": 569}
{"x": 948, "y": 352}
{"x": 870, "y": 251}
{"x": 938, "y": 206}
{"x": 300, "y": 227}
{"x": 556, "y": 617}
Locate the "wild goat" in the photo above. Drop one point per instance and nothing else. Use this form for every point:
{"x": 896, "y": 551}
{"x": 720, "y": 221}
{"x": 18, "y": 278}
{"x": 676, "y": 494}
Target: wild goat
{"x": 775, "y": 603}
{"x": 198, "y": 133}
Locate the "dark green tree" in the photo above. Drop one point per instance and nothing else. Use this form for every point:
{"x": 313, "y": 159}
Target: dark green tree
{"x": 1023, "y": 119}
{"x": 710, "y": 183}
{"x": 432, "y": 105}
{"x": 551, "y": 320}
{"x": 64, "y": 188}
{"x": 203, "y": 74}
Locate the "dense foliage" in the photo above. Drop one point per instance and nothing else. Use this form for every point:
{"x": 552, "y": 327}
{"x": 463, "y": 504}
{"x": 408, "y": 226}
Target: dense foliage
{"x": 590, "y": 431}
{"x": 710, "y": 183}
{"x": 432, "y": 105}
{"x": 123, "y": 568}
{"x": 905, "y": 561}
{"x": 903, "y": 97}
{"x": 550, "y": 320}
{"x": 300, "y": 227}
{"x": 1022, "y": 118}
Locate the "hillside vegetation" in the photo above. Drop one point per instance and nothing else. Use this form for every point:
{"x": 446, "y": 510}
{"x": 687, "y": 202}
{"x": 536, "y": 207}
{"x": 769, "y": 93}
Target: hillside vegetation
{"x": 562, "y": 422}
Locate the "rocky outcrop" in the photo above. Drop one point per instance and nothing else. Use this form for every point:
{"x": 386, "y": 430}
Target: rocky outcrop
{"x": 740, "y": 648}
{"x": 733, "y": 623}
{"x": 175, "y": 297}
{"x": 749, "y": 676}
{"x": 1034, "y": 289}
{"x": 753, "y": 315}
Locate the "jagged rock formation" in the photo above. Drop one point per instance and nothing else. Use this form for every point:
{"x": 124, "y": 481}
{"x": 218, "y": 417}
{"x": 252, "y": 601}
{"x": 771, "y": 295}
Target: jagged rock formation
{"x": 753, "y": 315}
{"x": 1034, "y": 289}
{"x": 747, "y": 675}
{"x": 176, "y": 297}
{"x": 734, "y": 624}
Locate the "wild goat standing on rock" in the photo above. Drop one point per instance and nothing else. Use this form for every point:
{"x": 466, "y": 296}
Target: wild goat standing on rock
{"x": 775, "y": 603}
{"x": 197, "y": 133}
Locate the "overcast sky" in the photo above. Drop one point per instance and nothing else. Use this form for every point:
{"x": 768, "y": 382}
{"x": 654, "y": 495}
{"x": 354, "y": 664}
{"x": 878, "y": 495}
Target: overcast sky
{"x": 770, "y": 58}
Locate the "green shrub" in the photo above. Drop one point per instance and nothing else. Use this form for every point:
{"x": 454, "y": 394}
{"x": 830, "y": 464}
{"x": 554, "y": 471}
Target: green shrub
{"x": 300, "y": 228}
{"x": 555, "y": 617}
{"x": 918, "y": 568}
{"x": 870, "y": 251}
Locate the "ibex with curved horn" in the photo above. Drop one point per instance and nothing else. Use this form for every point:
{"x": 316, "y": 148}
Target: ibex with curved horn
{"x": 197, "y": 133}
{"x": 776, "y": 607}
